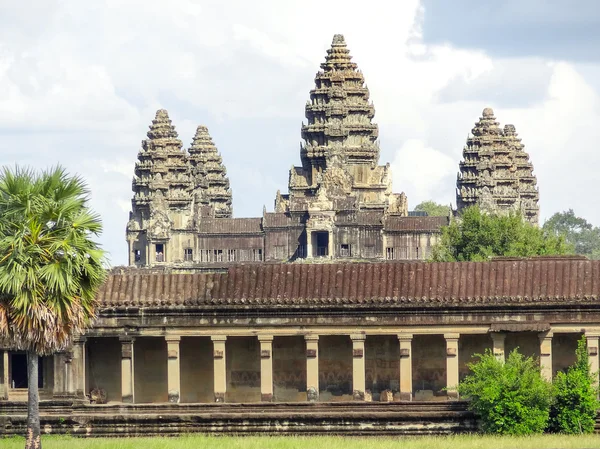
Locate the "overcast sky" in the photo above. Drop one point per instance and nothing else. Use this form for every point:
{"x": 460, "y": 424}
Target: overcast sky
{"x": 80, "y": 83}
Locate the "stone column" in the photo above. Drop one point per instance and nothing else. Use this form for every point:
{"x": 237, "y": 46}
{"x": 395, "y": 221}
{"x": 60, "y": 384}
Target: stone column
{"x": 69, "y": 377}
{"x": 127, "y": 376}
{"x": 405, "y": 366}
{"x": 592, "y": 339}
{"x": 77, "y": 375}
{"x": 498, "y": 344}
{"x": 546, "y": 355}
{"x": 358, "y": 366}
{"x": 5, "y": 385}
{"x": 312, "y": 367}
{"x": 452, "y": 365}
{"x": 173, "y": 371}
{"x": 330, "y": 247}
{"x": 266, "y": 367}
{"x": 220, "y": 367}
{"x": 309, "y": 247}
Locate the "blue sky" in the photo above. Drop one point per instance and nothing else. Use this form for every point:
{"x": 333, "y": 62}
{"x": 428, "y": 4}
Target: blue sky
{"x": 81, "y": 81}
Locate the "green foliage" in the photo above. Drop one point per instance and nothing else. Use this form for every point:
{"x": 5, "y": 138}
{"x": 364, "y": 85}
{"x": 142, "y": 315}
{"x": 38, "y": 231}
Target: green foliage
{"x": 477, "y": 236}
{"x": 508, "y": 397}
{"x": 50, "y": 268}
{"x": 575, "y": 396}
{"x": 577, "y": 231}
{"x": 433, "y": 209}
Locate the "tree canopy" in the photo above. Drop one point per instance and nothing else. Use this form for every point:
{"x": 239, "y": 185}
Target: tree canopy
{"x": 477, "y": 236}
{"x": 577, "y": 231}
{"x": 433, "y": 209}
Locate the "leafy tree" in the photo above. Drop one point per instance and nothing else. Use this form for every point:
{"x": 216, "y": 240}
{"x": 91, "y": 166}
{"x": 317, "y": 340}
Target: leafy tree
{"x": 477, "y": 236}
{"x": 508, "y": 397}
{"x": 577, "y": 231}
{"x": 50, "y": 268}
{"x": 433, "y": 209}
{"x": 575, "y": 396}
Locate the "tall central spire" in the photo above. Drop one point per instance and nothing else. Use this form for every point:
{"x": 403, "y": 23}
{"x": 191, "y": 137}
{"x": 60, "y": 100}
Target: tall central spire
{"x": 339, "y": 114}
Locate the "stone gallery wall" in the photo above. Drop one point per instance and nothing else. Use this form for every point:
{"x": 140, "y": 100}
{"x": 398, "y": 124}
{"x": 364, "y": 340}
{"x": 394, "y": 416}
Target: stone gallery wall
{"x": 150, "y": 368}
{"x": 243, "y": 369}
{"x": 289, "y": 369}
{"x": 335, "y": 368}
{"x": 197, "y": 380}
{"x": 103, "y": 370}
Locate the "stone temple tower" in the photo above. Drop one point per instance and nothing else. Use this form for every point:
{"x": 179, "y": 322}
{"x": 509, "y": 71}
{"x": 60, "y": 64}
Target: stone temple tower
{"x": 173, "y": 191}
{"x": 340, "y": 152}
{"x": 495, "y": 172}
{"x": 210, "y": 175}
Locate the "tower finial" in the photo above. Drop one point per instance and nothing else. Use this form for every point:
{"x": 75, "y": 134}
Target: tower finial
{"x": 338, "y": 39}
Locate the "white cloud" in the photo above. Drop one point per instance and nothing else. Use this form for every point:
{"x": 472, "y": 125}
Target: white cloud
{"x": 80, "y": 82}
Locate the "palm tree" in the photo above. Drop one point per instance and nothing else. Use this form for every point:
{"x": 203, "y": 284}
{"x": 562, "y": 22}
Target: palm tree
{"x": 50, "y": 268}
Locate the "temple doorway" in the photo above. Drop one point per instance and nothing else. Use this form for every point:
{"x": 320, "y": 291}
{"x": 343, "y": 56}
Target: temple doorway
{"x": 320, "y": 243}
{"x": 18, "y": 371}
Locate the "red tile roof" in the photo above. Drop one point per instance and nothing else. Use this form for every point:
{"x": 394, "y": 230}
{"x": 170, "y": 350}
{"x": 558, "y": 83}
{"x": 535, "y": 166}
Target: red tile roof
{"x": 456, "y": 284}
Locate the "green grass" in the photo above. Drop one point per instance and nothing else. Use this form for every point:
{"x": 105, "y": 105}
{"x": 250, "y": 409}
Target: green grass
{"x": 231, "y": 442}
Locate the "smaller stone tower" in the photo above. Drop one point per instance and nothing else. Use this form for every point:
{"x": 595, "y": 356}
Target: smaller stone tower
{"x": 209, "y": 175}
{"x": 495, "y": 172}
{"x": 162, "y": 192}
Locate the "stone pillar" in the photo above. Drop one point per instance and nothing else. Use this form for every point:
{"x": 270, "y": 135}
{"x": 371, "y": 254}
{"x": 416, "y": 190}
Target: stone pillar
{"x": 77, "y": 374}
{"x": 452, "y": 365}
{"x": 173, "y": 371}
{"x": 498, "y": 344}
{"x": 592, "y": 339}
{"x": 5, "y": 385}
{"x": 405, "y": 366}
{"x": 220, "y": 367}
{"x": 312, "y": 367}
{"x": 309, "y": 247}
{"x": 266, "y": 367}
{"x": 69, "y": 377}
{"x": 330, "y": 247}
{"x": 546, "y": 355}
{"x": 127, "y": 359}
{"x": 358, "y": 366}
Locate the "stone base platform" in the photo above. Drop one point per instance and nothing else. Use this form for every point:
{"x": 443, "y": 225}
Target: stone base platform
{"x": 340, "y": 418}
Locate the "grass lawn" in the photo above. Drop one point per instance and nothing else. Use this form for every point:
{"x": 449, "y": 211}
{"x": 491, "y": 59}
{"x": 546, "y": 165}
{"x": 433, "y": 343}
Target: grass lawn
{"x": 231, "y": 442}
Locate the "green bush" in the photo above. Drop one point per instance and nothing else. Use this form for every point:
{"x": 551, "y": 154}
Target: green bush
{"x": 575, "y": 396}
{"x": 508, "y": 397}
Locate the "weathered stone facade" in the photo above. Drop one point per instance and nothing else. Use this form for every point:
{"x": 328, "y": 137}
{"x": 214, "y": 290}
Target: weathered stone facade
{"x": 495, "y": 172}
{"x": 340, "y": 202}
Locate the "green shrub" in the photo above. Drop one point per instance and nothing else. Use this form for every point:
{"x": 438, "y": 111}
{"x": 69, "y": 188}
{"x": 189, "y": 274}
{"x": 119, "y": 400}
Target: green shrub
{"x": 575, "y": 396}
{"x": 508, "y": 397}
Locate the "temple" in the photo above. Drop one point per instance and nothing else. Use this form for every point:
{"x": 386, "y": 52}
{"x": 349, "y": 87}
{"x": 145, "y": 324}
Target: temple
{"x": 217, "y": 326}
{"x": 495, "y": 173}
{"x": 340, "y": 203}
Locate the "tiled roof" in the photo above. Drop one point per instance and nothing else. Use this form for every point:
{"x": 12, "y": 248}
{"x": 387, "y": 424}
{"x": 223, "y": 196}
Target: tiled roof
{"x": 230, "y": 226}
{"x": 409, "y": 284}
{"x": 414, "y": 223}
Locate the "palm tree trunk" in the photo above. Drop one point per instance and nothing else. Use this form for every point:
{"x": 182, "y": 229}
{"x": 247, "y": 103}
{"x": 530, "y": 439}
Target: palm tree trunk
{"x": 33, "y": 439}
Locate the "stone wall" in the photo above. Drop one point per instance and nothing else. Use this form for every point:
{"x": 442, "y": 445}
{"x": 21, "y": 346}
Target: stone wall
{"x": 243, "y": 369}
{"x": 429, "y": 366}
{"x": 335, "y": 368}
{"x": 382, "y": 364}
{"x": 197, "y": 378}
{"x": 563, "y": 351}
{"x": 468, "y": 346}
{"x": 103, "y": 369}
{"x": 150, "y": 368}
{"x": 289, "y": 369}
